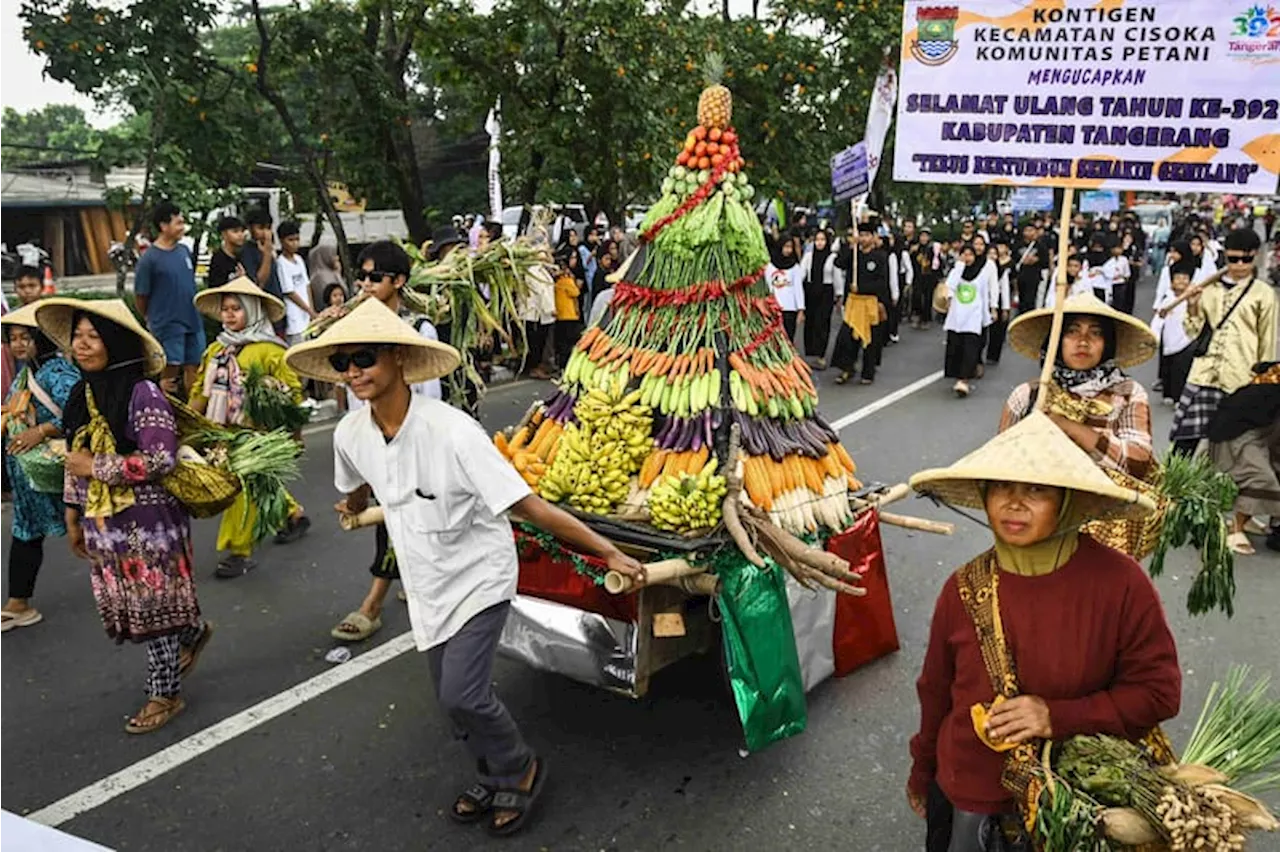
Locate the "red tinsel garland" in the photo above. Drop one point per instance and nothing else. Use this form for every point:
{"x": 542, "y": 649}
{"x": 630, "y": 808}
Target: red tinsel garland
{"x": 626, "y": 293}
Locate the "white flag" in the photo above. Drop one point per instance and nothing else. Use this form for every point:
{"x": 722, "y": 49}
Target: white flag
{"x": 879, "y": 115}
{"x": 493, "y": 126}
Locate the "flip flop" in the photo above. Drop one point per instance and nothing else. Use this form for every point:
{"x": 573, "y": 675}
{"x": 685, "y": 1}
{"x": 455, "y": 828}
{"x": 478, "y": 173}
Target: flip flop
{"x": 1240, "y": 544}
{"x": 1252, "y": 527}
{"x": 479, "y": 797}
{"x": 12, "y": 620}
{"x": 519, "y": 801}
{"x": 365, "y": 627}
{"x": 156, "y": 719}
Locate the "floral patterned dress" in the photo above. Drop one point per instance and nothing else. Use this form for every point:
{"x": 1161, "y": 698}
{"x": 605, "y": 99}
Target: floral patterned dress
{"x": 35, "y": 514}
{"x": 140, "y": 557}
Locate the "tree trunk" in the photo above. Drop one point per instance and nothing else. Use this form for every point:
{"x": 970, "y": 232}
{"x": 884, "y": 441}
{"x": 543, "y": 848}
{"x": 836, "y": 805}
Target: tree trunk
{"x": 300, "y": 145}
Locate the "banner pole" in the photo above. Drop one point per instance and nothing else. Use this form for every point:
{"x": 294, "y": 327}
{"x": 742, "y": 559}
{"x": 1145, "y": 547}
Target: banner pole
{"x": 1060, "y": 279}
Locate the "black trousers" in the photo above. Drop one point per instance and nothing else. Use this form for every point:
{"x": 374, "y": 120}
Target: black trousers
{"x": 1122, "y": 297}
{"x": 848, "y": 347}
{"x": 535, "y": 337}
{"x": 952, "y": 830}
{"x": 895, "y": 317}
{"x": 1174, "y": 370}
{"x": 1027, "y": 292}
{"x": 964, "y": 350}
{"x": 25, "y": 558}
{"x": 567, "y": 334}
{"x": 922, "y": 299}
{"x": 819, "y": 302}
{"x": 996, "y": 333}
{"x": 789, "y": 323}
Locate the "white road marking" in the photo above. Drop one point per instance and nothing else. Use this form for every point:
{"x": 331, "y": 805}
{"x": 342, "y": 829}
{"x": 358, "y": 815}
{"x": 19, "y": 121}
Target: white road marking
{"x": 886, "y": 401}
{"x": 184, "y": 751}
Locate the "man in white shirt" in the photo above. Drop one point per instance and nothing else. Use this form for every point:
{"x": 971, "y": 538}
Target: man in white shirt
{"x": 295, "y": 283}
{"x": 446, "y": 493}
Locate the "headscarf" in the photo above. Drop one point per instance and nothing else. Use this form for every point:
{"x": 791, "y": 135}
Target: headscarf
{"x": 1046, "y": 556}
{"x": 972, "y": 270}
{"x": 819, "y": 262}
{"x": 257, "y": 327}
{"x": 323, "y": 275}
{"x": 781, "y": 260}
{"x": 1087, "y": 383}
{"x": 45, "y": 348}
{"x": 112, "y": 388}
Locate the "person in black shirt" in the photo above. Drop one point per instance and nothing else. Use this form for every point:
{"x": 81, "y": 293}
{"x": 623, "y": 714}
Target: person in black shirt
{"x": 225, "y": 265}
{"x": 872, "y": 280}
{"x": 926, "y": 268}
{"x": 1031, "y": 262}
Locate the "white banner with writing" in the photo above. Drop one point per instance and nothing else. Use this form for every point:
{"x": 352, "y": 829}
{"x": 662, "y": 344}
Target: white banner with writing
{"x": 1151, "y": 95}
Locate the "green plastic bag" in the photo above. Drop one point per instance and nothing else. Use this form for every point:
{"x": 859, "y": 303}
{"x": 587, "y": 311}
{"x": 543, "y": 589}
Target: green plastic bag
{"x": 760, "y": 652}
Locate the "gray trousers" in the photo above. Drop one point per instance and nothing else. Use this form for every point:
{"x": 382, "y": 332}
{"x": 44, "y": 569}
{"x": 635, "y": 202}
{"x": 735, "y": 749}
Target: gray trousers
{"x": 462, "y": 669}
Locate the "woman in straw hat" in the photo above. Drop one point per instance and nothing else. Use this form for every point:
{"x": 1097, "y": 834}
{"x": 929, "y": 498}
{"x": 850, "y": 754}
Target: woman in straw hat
{"x": 446, "y": 492}
{"x": 999, "y": 678}
{"x": 33, "y": 415}
{"x": 122, "y": 440}
{"x": 247, "y": 342}
{"x": 1098, "y": 406}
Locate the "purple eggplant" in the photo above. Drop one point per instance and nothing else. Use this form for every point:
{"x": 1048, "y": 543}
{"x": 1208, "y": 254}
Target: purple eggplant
{"x": 696, "y": 443}
{"x": 666, "y": 436}
{"x": 686, "y": 434}
{"x": 706, "y": 427}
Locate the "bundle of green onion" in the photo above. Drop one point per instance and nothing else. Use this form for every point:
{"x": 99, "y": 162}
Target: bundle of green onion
{"x": 264, "y": 462}
{"x": 1198, "y": 496}
{"x": 270, "y": 404}
{"x": 1238, "y": 733}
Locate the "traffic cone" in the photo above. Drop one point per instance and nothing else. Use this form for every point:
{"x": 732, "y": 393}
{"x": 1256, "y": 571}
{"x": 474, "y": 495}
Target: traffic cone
{"x": 48, "y": 289}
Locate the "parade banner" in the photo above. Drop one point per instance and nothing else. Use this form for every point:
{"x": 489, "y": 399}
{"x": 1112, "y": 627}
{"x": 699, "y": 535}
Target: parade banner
{"x": 493, "y": 126}
{"x": 849, "y": 176}
{"x": 1158, "y": 96}
{"x": 1032, "y": 199}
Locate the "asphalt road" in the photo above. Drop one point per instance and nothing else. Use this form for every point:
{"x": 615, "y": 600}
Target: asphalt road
{"x": 370, "y": 764}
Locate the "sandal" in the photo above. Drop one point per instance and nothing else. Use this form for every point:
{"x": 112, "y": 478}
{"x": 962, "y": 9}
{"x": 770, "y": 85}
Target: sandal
{"x": 26, "y": 618}
{"x": 480, "y": 799}
{"x": 518, "y": 802}
{"x": 362, "y": 627}
{"x": 188, "y": 657}
{"x": 843, "y": 377}
{"x": 1240, "y": 544}
{"x": 166, "y": 708}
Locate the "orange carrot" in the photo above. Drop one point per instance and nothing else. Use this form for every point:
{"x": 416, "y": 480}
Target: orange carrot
{"x": 589, "y": 338}
{"x": 602, "y": 342}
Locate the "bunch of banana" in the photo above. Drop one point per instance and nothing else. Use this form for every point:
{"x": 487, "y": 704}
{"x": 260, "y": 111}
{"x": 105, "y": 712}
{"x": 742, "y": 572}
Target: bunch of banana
{"x": 688, "y": 502}
{"x": 597, "y": 456}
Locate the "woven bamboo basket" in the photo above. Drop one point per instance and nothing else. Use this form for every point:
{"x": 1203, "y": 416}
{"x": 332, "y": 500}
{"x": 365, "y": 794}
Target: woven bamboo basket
{"x": 204, "y": 490}
{"x": 1135, "y": 536}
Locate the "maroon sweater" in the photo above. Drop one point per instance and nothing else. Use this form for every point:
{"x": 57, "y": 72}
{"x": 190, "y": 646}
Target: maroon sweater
{"x": 1090, "y": 639}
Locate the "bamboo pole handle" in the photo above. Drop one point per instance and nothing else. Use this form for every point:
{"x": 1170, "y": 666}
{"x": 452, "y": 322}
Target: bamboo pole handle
{"x": 370, "y": 517}
{"x": 1055, "y": 331}
{"x": 921, "y": 524}
{"x": 895, "y": 493}
{"x": 1192, "y": 291}
{"x": 663, "y": 572}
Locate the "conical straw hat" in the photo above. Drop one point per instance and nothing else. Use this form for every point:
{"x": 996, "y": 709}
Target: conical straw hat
{"x": 373, "y": 323}
{"x": 1135, "y": 341}
{"x": 23, "y": 316}
{"x": 54, "y": 318}
{"x": 1033, "y": 450}
{"x": 209, "y": 302}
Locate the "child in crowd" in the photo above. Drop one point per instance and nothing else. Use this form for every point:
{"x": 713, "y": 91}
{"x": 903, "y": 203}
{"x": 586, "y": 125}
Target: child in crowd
{"x": 247, "y": 341}
{"x": 1175, "y": 344}
{"x": 568, "y": 314}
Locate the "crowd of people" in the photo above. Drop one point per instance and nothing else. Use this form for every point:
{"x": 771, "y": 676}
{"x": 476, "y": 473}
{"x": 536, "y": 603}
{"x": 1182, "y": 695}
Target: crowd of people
{"x": 103, "y": 378}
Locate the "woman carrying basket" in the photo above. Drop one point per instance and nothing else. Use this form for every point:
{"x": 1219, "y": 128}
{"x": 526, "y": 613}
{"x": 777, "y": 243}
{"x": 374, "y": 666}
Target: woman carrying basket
{"x": 998, "y": 678}
{"x": 1098, "y": 406}
{"x": 33, "y": 416}
{"x": 247, "y": 342}
{"x": 122, "y": 440}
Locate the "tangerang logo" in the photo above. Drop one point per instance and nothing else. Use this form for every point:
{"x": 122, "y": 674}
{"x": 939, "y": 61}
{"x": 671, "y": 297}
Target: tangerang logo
{"x": 935, "y": 34}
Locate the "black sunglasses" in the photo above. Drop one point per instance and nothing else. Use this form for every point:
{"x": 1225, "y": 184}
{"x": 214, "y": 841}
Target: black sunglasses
{"x": 374, "y": 275}
{"x": 362, "y": 358}
{"x": 1240, "y": 258}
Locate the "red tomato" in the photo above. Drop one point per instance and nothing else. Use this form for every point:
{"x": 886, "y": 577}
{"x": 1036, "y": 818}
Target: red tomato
{"x": 700, "y": 149}
{"x": 715, "y": 134}
{"x": 729, "y": 137}
{"x": 700, "y": 133}
{"x": 712, "y": 148}
{"x": 717, "y": 159}
{"x": 682, "y": 158}
{"x": 704, "y": 163}
{"x": 733, "y": 166}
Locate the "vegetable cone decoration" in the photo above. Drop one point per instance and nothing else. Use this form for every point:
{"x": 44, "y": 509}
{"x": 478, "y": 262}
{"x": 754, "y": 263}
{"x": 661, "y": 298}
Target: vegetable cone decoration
{"x": 693, "y": 344}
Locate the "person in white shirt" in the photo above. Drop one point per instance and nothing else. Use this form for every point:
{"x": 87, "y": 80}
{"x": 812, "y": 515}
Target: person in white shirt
{"x": 968, "y": 311}
{"x": 823, "y": 290}
{"x": 295, "y": 283}
{"x": 447, "y": 495}
{"x": 383, "y": 271}
{"x": 1176, "y": 348}
{"x": 786, "y": 280}
{"x": 1115, "y": 270}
